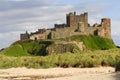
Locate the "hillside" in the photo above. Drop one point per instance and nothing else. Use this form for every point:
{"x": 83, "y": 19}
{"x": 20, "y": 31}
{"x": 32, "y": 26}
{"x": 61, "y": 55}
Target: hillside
{"x": 38, "y": 48}
{"x": 19, "y": 53}
{"x": 48, "y": 47}
{"x": 95, "y": 42}
{"x": 25, "y": 48}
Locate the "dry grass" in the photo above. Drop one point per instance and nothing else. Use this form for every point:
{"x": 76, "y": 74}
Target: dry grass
{"x": 83, "y": 59}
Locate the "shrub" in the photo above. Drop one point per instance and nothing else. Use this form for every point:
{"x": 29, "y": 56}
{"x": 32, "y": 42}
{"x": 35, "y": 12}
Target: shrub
{"x": 83, "y": 59}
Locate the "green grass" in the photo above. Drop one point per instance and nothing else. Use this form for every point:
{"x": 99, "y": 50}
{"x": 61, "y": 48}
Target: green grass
{"x": 84, "y": 59}
{"x": 26, "y": 48}
{"x": 15, "y": 50}
{"x": 26, "y": 54}
{"x": 95, "y": 42}
{"x": 38, "y": 48}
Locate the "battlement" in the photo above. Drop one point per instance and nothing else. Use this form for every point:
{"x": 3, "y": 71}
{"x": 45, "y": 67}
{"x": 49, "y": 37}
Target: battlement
{"x": 72, "y": 19}
{"x": 75, "y": 25}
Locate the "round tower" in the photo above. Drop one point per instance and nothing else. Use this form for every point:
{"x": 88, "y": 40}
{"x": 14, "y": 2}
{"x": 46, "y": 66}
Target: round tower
{"x": 106, "y": 24}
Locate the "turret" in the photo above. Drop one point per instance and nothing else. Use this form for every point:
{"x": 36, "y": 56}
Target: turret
{"x": 106, "y": 24}
{"x": 81, "y": 27}
{"x": 24, "y": 36}
{"x": 71, "y": 20}
{"x": 86, "y": 19}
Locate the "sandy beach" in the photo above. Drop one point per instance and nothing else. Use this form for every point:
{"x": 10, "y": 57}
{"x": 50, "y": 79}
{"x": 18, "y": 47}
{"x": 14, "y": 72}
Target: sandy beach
{"x": 101, "y": 73}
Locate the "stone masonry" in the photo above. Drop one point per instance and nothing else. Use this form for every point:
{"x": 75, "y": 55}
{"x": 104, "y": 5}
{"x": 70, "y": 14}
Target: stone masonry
{"x": 75, "y": 25}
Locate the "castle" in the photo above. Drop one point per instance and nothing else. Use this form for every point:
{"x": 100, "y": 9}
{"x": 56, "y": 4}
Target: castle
{"x": 75, "y": 25}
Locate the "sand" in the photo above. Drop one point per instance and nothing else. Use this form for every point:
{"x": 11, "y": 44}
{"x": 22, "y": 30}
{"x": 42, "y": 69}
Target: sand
{"x": 101, "y": 73}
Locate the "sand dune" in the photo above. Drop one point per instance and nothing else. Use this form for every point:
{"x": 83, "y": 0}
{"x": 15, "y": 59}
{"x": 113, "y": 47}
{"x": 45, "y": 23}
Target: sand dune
{"x": 101, "y": 73}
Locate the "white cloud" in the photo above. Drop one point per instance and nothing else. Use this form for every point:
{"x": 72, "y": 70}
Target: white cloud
{"x": 8, "y": 38}
{"x": 31, "y": 15}
{"x": 115, "y": 27}
{"x": 20, "y": 20}
{"x": 16, "y": 0}
{"x": 116, "y": 39}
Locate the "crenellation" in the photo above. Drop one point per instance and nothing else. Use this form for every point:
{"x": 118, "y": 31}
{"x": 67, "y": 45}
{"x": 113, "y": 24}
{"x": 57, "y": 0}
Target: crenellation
{"x": 75, "y": 25}
{"x": 60, "y": 25}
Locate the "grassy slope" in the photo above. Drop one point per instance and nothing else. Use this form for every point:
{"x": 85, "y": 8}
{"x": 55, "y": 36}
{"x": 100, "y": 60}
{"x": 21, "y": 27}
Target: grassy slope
{"x": 85, "y": 59}
{"x": 95, "y": 58}
{"x": 24, "y": 48}
{"x": 27, "y": 47}
{"x": 95, "y": 42}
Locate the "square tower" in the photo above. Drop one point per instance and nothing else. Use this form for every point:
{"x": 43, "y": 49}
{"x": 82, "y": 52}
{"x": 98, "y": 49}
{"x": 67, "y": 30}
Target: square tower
{"x": 73, "y": 20}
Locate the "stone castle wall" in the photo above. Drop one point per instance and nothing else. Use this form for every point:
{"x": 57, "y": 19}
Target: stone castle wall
{"x": 75, "y": 25}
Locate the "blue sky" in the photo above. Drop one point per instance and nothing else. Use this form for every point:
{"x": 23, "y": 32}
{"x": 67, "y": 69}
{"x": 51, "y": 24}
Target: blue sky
{"x": 17, "y": 16}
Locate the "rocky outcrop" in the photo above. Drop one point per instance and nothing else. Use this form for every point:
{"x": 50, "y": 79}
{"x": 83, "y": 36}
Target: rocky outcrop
{"x": 64, "y": 47}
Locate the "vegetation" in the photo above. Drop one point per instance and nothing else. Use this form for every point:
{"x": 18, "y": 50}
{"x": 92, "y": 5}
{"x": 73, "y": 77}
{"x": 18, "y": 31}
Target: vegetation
{"x": 84, "y": 59}
{"x": 38, "y": 48}
{"x": 95, "y": 42}
{"x": 27, "y": 48}
{"x": 25, "y": 54}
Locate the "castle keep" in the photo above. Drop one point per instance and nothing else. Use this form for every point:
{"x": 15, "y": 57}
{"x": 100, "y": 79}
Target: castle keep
{"x": 75, "y": 25}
